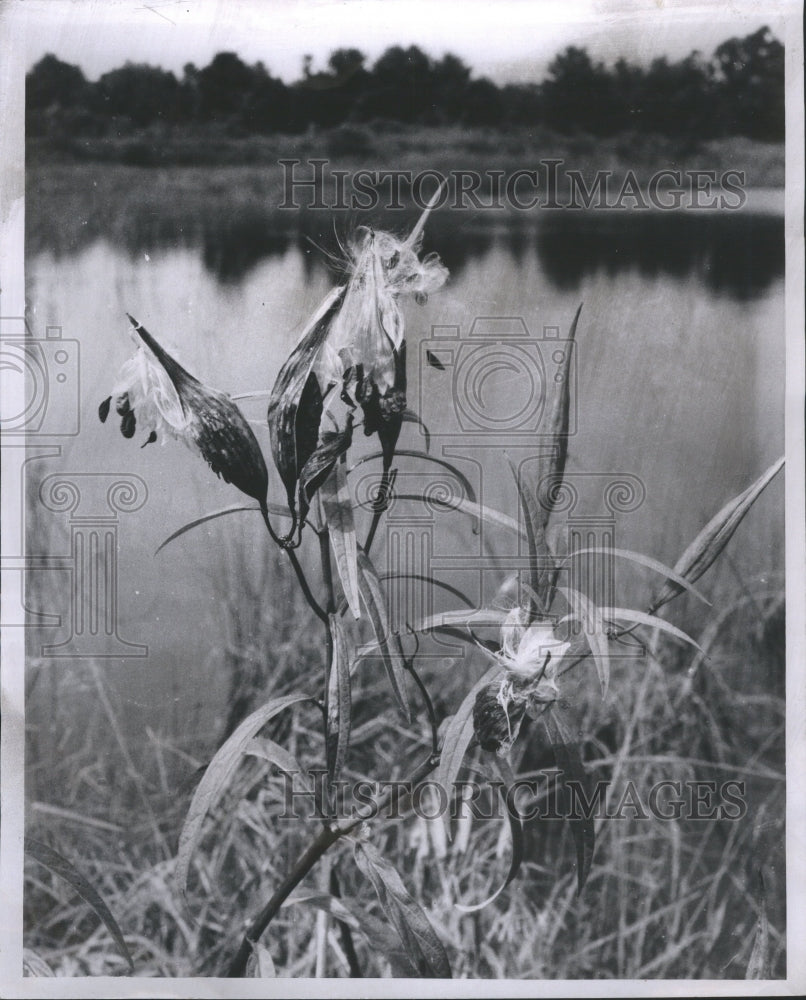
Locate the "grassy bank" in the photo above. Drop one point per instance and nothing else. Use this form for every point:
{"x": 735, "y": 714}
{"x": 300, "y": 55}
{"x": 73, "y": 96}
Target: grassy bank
{"x": 212, "y": 189}
{"x": 665, "y": 899}
{"x": 385, "y": 145}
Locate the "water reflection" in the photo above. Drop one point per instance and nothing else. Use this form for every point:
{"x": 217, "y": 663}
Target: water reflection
{"x": 738, "y": 254}
{"x": 734, "y": 254}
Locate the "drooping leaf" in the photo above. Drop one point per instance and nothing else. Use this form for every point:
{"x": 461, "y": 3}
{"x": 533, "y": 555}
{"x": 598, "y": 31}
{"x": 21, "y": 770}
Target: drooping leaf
{"x": 374, "y": 600}
{"x": 457, "y": 739}
{"x": 338, "y": 511}
{"x": 461, "y": 624}
{"x": 339, "y": 702}
{"x": 216, "y": 779}
{"x": 569, "y": 761}
{"x": 266, "y": 749}
{"x": 65, "y": 870}
{"x": 642, "y": 560}
{"x": 332, "y": 445}
{"x": 472, "y": 509}
{"x": 272, "y": 509}
{"x": 516, "y": 835}
{"x": 424, "y": 456}
{"x": 642, "y": 618}
{"x": 592, "y": 618}
{"x": 705, "y": 548}
{"x": 296, "y": 400}
{"x": 410, "y": 417}
{"x": 420, "y": 942}
{"x": 432, "y": 582}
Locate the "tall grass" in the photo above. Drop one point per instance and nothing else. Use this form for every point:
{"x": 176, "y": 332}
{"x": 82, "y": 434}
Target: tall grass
{"x": 673, "y": 899}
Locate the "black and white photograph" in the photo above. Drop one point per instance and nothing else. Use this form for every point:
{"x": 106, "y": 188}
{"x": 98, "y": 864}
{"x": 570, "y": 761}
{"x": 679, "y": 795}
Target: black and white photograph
{"x": 403, "y": 498}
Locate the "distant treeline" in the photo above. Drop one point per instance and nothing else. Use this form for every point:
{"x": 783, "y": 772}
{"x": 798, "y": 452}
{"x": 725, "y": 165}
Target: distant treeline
{"x": 738, "y": 91}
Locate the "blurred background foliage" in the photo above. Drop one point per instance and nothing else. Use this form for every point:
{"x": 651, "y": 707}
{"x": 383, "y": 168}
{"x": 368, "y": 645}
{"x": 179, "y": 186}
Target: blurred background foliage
{"x": 738, "y": 91}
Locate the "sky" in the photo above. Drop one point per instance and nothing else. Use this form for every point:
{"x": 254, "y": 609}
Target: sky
{"x": 507, "y": 40}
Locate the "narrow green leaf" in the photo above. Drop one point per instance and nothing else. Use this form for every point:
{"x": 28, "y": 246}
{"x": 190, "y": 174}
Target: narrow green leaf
{"x": 65, "y": 870}
{"x": 410, "y": 417}
{"x": 272, "y": 509}
{"x": 374, "y": 600}
{"x": 516, "y": 833}
{"x": 569, "y": 760}
{"x": 552, "y": 466}
{"x": 337, "y": 908}
{"x": 420, "y": 942}
{"x": 254, "y": 394}
{"x": 332, "y": 445}
{"x": 338, "y": 511}
{"x": 642, "y": 618}
{"x": 471, "y": 508}
{"x": 595, "y": 632}
{"x": 457, "y": 739}
{"x": 421, "y": 578}
{"x": 339, "y": 702}
{"x": 459, "y": 624}
{"x": 642, "y": 560}
{"x": 705, "y": 548}
{"x": 266, "y": 749}
{"x": 541, "y": 562}
{"x": 425, "y": 457}
{"x": 216, "y": 779}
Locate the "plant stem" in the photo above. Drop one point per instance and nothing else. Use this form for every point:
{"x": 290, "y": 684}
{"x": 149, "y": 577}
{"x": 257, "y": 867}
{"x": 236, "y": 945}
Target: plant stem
{"x": 306, "y": 590}
{"x": 347, "y": 942}
{"x": 324, "y": 840}
{"x": 429, "y": 706}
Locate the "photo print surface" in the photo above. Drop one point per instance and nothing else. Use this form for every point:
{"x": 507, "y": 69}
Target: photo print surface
{"x": 404, "y": 493}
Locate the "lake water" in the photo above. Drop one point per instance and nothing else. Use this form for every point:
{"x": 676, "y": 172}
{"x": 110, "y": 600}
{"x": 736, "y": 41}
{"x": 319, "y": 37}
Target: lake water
{"x": 679, "y": 385}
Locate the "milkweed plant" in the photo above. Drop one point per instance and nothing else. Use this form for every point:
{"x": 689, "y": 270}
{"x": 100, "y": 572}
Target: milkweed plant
{"x": 348, "y": 372}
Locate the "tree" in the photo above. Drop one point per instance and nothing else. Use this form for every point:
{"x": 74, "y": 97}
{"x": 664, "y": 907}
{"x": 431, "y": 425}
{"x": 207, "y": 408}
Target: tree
{"x": 578, "y": 94}
{"x": 137, "y": 91}
{"x": 53, "y": 82}
{"x": 750, "y": 77}
{"x": 225, "y": 86}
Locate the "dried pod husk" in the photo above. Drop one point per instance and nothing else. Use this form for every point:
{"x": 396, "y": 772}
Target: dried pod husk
{"x": 183, "y": 408}
{"x": 295, "y": 405}
{"x": 496, "y": 719}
